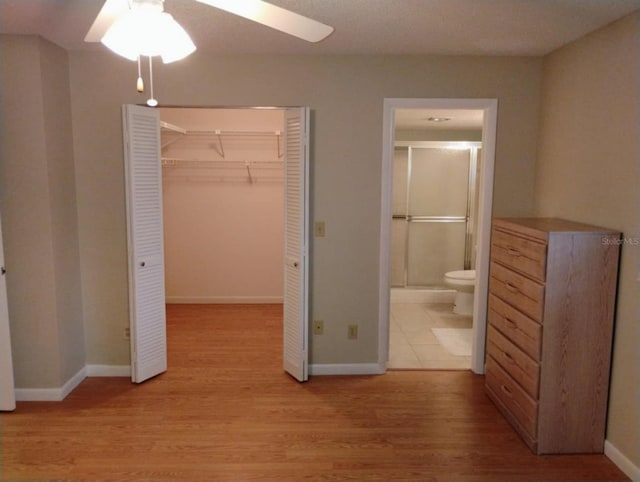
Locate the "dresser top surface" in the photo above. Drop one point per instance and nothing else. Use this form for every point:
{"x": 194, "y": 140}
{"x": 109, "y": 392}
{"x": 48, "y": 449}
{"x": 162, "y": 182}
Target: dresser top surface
{"x": 541, "y": 227}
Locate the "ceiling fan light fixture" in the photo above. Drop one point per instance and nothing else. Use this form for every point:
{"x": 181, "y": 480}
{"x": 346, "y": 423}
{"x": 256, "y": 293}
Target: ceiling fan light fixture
{"x": 148, "y": 31}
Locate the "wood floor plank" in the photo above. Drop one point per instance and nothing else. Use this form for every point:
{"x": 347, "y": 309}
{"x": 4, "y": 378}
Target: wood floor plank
{"x": 226, "y": 411}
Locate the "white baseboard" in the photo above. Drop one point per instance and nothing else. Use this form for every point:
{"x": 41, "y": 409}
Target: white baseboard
{"x": 623, "y": 463}
{"x": 60, "y": 393}
{"x": 51, "y": 394}
{"x": 224, "y": 300}
{"x": 38, "y": 394}
{"x": 346, "y": 369}
{"x": 73, "y": 382}
{"x": 108, "y": 370}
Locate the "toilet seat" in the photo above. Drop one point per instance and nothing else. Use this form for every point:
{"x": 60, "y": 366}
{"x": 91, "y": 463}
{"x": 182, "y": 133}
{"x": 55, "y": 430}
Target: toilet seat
{"x": 466, "y": 277}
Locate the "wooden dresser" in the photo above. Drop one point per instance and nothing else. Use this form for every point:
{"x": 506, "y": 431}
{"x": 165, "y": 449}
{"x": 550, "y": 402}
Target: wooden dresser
{"x": 552, "y": 292}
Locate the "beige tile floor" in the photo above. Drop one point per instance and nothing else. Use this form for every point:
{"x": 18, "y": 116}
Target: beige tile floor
{"x": 412, "y": 344}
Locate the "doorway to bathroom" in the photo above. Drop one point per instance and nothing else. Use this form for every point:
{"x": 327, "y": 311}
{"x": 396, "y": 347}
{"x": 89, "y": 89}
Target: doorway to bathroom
{"x": 436, "y": 205}
{"x": 433, "y": 234}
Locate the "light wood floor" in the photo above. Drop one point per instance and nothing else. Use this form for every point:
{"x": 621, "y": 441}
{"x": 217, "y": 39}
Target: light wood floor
{"x": 226, "y": 411}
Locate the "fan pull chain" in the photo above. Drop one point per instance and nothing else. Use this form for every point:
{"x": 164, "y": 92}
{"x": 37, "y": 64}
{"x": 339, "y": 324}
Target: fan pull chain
{"x": 151, "y": 102}
{"x": 140, "y": 84}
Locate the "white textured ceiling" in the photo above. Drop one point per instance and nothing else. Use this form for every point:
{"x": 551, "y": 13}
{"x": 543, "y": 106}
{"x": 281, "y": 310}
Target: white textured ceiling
{"x": 450, "y": 27}
{"x": 436, "y": 27}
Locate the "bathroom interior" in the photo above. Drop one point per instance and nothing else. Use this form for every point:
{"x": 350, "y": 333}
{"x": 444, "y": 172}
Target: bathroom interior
{"x": 436, "y": 167}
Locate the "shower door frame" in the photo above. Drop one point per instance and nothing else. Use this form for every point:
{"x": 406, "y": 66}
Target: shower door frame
{"x": 468, "y": 219}
{"x": 489, "y": 107}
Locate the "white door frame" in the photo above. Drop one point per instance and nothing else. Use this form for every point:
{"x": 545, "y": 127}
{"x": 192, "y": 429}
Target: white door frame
{"x": 485, "y": 186}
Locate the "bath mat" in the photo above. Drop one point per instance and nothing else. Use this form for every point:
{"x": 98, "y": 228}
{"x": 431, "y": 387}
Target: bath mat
{"x": 456, "y": 341}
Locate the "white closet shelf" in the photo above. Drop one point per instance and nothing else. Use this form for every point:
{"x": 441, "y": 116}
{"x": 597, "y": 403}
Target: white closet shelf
{"x": 218, "y": 133}
{"x": 199, "y": 163}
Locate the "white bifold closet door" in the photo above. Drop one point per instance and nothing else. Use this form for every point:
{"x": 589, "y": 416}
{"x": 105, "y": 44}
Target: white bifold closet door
{"x": 296, "y": 213}
{"x": 7, "y": 392}
{"x": 143, "y": 179}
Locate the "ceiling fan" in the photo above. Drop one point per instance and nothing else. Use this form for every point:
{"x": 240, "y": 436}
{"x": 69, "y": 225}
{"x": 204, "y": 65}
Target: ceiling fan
{"x": 140, "y": 28}
{"x": 257, "y": 10}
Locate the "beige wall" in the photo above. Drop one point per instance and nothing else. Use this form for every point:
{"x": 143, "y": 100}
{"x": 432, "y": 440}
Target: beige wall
{"x": 62, "y": 201}
{"x": 38, "y": 205}
{"x": 224, "y": 231}
{"x": 588, "y": 170}
{"x": 346, "y": 96}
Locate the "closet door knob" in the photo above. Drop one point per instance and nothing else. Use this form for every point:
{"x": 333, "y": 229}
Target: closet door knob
{"x": 2, "y": 270}
{"x": 143, "y": 264}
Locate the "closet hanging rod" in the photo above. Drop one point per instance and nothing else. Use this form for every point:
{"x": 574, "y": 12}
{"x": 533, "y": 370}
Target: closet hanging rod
{"x": 220, "y": 132}
{"x": 206, "y": 161}
{"x": 226, "y": 179}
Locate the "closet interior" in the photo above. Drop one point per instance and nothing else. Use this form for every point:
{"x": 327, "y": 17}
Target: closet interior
{"x": 223, "y": 174}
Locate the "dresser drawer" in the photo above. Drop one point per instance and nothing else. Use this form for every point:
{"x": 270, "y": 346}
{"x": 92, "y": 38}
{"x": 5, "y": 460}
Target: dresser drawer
{"x": 522, "y": 293}
{"x": 519, "y": 366}
{"x": 522, "y": 331}
{"x": 512, "y": 397}
{"x": 523, "y": 255}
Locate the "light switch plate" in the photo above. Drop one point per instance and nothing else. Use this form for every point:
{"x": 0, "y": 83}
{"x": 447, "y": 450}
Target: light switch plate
{"x": 318, "y": 327}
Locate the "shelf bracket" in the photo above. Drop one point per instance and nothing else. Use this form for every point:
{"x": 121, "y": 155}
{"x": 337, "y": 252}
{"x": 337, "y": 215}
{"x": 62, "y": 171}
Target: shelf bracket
{"x": 220, "y": 149}
{"x": 278, "y": 137}
{"x": 246, "y": 163}
{"x": 172, "y": 128}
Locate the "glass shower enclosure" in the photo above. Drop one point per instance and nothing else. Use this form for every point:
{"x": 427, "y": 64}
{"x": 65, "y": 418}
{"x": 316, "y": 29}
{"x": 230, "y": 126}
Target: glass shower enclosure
{"x": 434, "y": 211}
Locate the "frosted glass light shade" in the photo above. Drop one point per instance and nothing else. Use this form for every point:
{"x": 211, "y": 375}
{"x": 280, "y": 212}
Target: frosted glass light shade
{"x": 147, "y": 30}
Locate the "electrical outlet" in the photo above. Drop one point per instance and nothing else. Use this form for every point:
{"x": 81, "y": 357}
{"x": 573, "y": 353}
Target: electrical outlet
{"x": 319, "y": 229}
{"x": 318, "y": 327}
{"x": 127, "y": 333}
{"x": 352, "y": 332}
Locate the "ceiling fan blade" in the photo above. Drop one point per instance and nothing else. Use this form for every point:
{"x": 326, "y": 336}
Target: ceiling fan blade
{"x": 111, "y": 10}
{"x": 275, "y": 17}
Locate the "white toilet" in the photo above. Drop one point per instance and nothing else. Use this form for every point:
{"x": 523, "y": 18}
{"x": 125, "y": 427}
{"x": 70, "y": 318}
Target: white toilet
{"x": 463, "y": 282}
